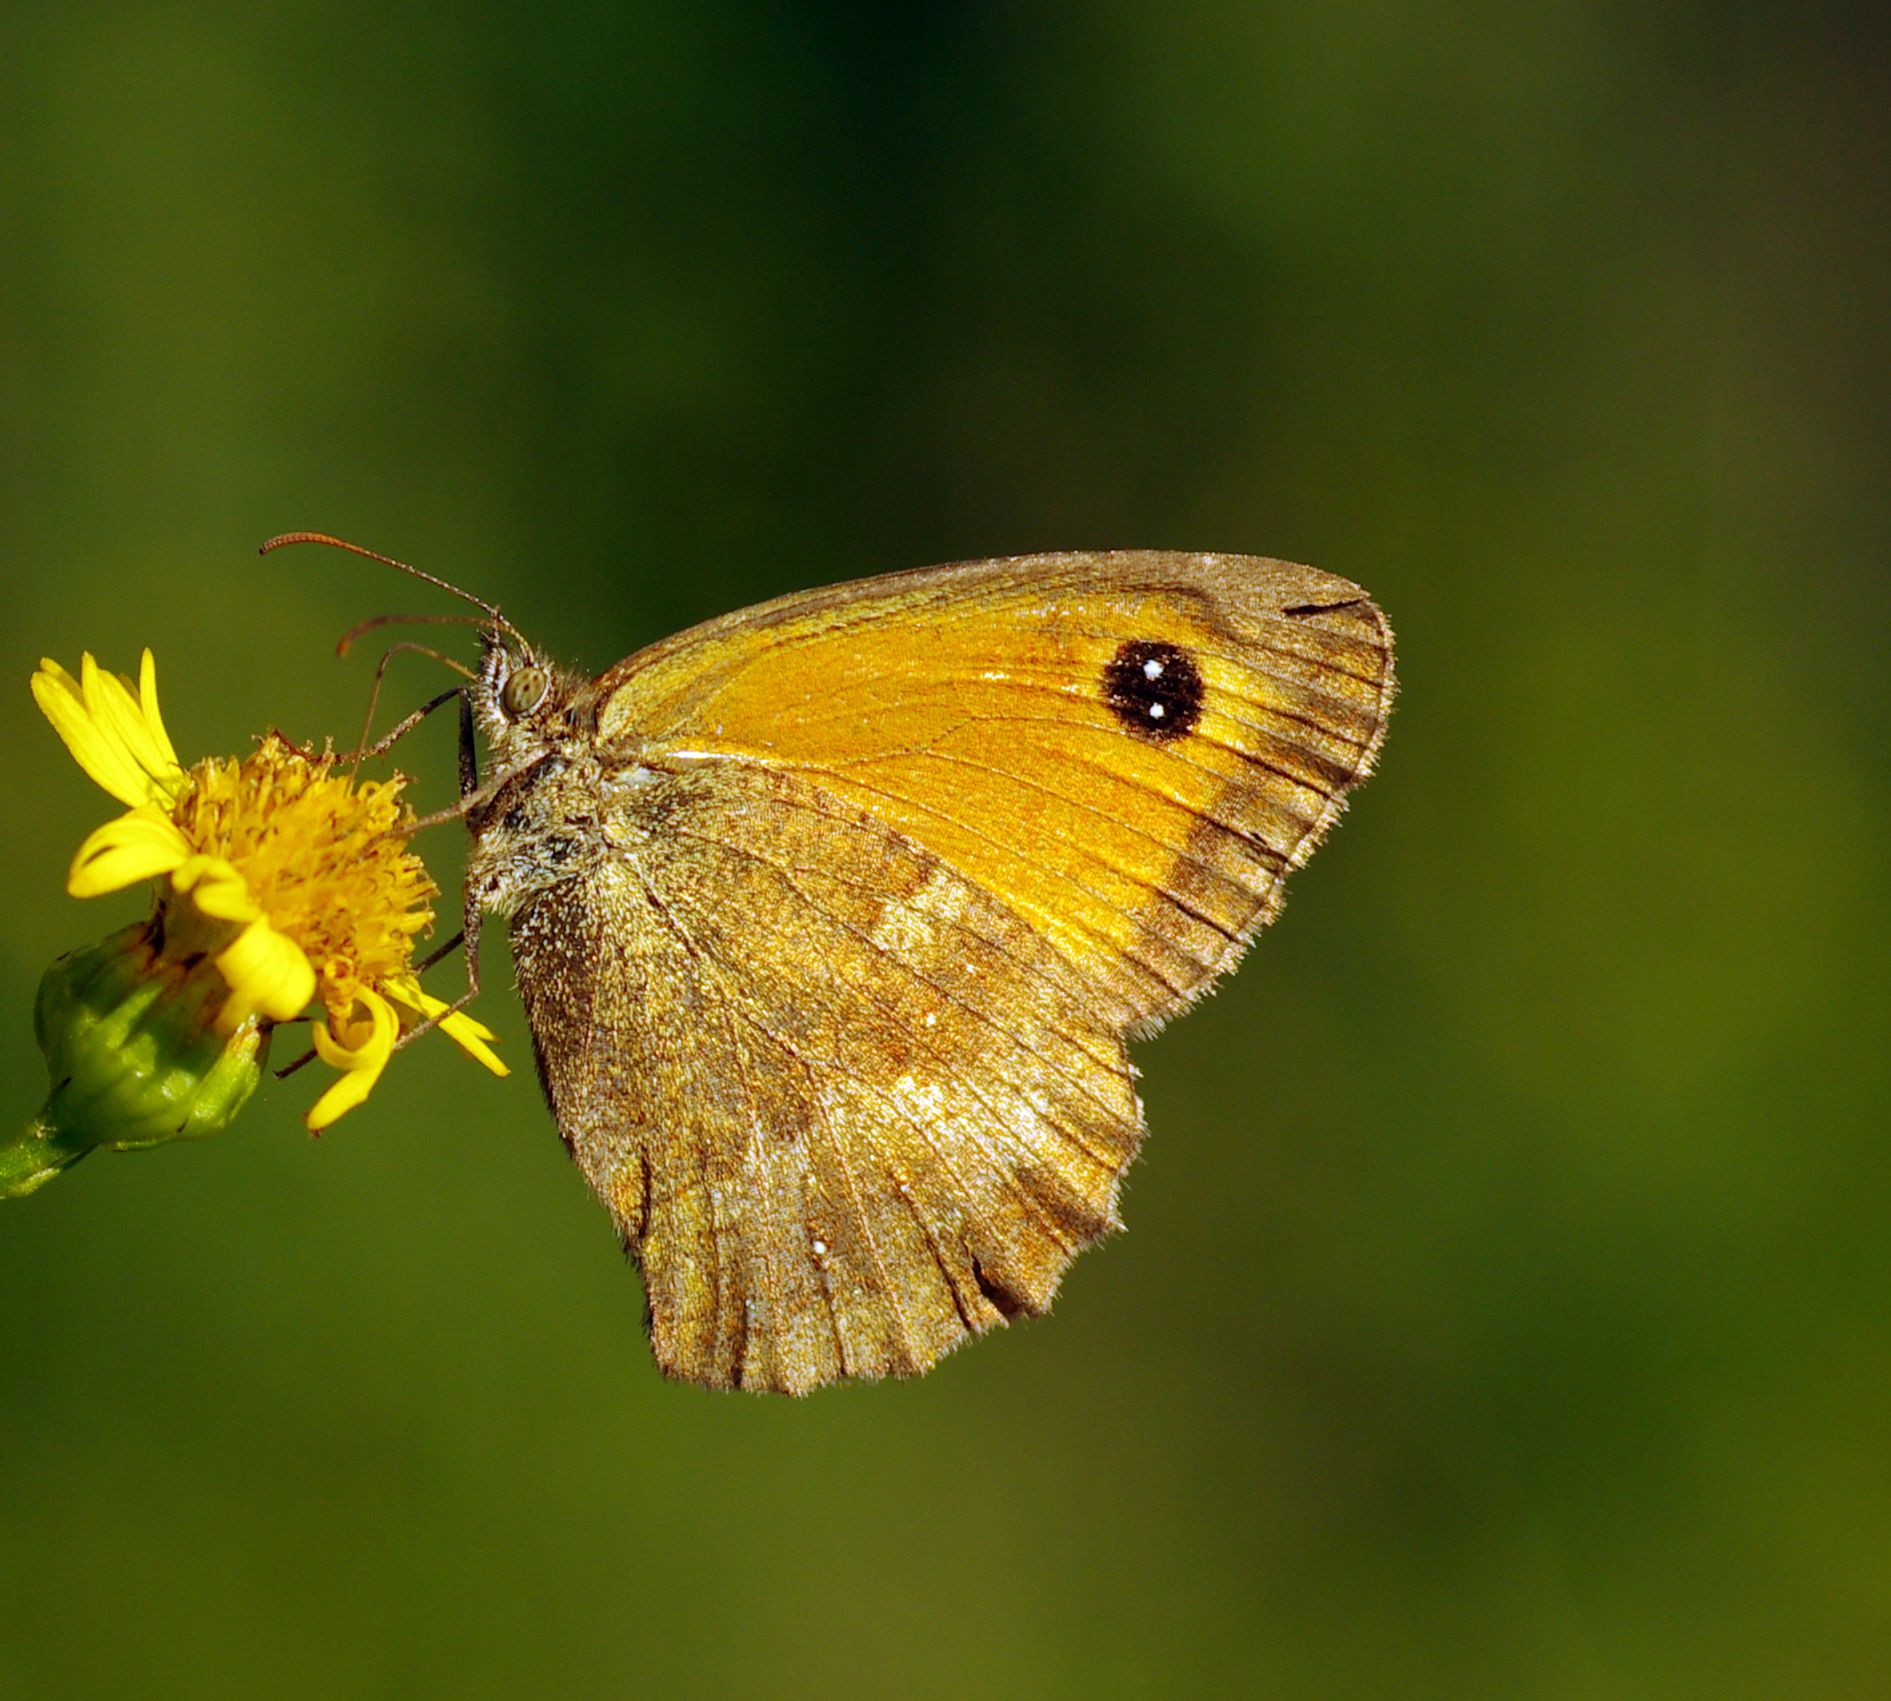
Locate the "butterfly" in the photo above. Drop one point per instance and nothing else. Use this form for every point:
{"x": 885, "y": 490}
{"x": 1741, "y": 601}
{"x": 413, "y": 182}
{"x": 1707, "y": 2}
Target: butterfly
{"x": 832, "y": 918}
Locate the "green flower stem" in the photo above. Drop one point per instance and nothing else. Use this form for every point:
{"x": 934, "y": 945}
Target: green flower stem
{"x": 36, "y": 1155}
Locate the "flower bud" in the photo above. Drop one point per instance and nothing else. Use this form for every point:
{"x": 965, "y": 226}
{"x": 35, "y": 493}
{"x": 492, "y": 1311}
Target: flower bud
{"x": 136, "y": 1060}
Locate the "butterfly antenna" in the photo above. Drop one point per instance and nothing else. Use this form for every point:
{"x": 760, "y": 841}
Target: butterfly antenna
{"x": 490, "y": 611}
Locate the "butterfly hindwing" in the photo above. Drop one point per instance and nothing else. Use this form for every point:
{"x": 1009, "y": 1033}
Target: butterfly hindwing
{"x": 846, "y": 1110}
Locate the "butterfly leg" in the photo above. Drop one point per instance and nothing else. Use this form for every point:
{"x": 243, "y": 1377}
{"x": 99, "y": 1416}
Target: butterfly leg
{"x": 440, "y": 953}
{"x": 363, "y": 749}
{"x": 469, "y": 938}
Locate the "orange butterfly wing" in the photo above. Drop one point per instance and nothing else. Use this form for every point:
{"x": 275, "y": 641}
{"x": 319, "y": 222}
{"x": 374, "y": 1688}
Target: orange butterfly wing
{"x": 991, "y": 713}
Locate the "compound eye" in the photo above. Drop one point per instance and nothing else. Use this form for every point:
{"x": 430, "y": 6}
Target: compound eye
{"x": 523, "y": 691}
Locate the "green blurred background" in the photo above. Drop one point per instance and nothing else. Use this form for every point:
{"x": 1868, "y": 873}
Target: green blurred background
{"x": 1507, "y": 1304}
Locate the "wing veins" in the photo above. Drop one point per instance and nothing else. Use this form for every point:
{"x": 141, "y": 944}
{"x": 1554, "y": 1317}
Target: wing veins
{"x": 1109, "y": 944}
{"x": 1024, "y": 964}
{"x": 948, "y": 996}
{"x": 1006, "y": 1175}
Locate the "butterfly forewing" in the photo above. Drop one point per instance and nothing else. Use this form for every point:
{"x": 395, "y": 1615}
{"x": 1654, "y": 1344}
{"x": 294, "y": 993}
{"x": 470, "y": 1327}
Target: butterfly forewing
{"x": 1129, "y": 750}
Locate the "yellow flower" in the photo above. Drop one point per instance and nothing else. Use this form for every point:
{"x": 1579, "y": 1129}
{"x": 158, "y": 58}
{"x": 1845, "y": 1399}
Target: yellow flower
{"x": 280, "y": 870}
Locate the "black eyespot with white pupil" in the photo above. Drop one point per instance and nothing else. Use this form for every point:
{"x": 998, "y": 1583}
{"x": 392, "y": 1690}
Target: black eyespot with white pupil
{"x": 523, "y": 691}
{"x": 1155, "y": 689}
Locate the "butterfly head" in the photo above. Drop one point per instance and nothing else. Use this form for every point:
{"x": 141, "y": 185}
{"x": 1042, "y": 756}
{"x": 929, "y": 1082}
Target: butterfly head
{"x": 522, "y": 703}
{"x": 535, "y": 821}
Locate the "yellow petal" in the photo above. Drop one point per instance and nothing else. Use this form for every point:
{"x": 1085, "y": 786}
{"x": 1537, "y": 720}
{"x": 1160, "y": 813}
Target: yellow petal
{"x": 148, "y": 704}
{"x": 138, "y": 846}
{"x": 217, "y": 888}
{"x": 117, "y": 712}
{"x": 268, "y": 975}
{"x": 123, "y": 746}
{"x": 471, "y": 1036}
{"x": 467, "y": 1032}
{"x": 62, "y": 702}
{"x": 360, "y": 1047}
